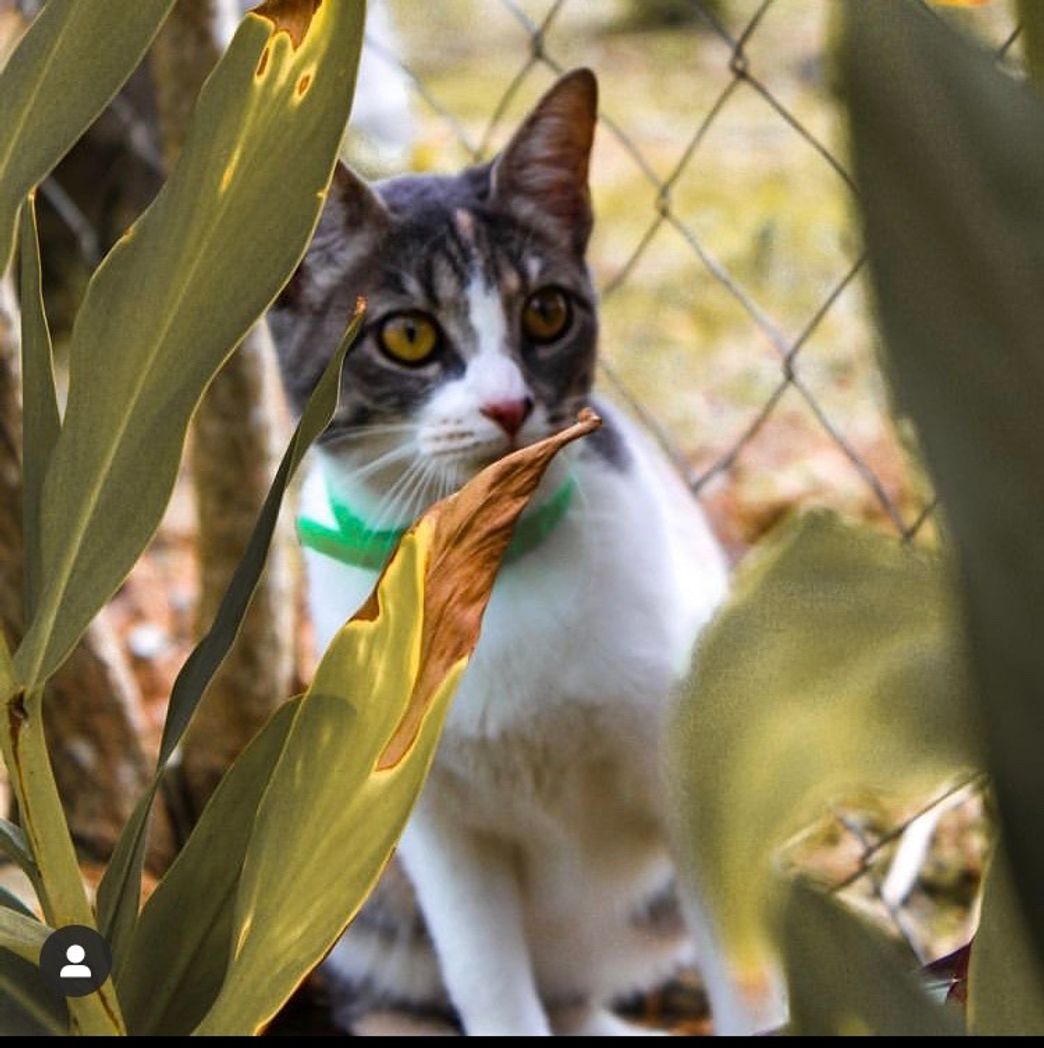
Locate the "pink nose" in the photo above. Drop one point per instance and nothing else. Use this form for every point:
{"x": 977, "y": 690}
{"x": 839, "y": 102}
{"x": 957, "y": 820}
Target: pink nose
{"x": 509, "y": 414}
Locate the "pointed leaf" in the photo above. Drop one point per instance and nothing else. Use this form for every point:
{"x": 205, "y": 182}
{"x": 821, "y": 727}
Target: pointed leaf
{"x": 9, "y": 686}
{"x": 120, "y": 889}
{"x": 361, "y": 741}
{"x": 14, "y": 845}
{"x": 10, "y": 901}
{"x": 833, "y": 668}
{"x": 949, "y": 158}
{"x": 1031, "y": 22}
{"x": 176, "y": 295}
{"x": 208, "y": 655}
{"x": 1005, "y": 976}
{"x": 41, "y": 422}
{"x": 28, "y": 1006}
{"x": 63, "y": 73}
{"x": 844, "y": 978}
{"x": 22, "y": 935}
{"x": 55, "y": 872}
{"x": 185, "y": 929}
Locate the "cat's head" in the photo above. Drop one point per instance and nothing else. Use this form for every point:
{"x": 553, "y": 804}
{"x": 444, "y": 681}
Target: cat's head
{"x": 481, "y": 326}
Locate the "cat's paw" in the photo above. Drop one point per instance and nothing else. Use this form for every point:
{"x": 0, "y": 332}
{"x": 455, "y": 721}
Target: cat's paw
{"x": 598, "y": 1022}
{"x": 390, "y": 1023}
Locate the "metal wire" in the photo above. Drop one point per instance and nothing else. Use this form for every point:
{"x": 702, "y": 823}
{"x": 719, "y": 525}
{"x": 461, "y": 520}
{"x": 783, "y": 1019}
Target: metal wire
{"x": 739, "y": 69}
{"x": 740, "y": 72}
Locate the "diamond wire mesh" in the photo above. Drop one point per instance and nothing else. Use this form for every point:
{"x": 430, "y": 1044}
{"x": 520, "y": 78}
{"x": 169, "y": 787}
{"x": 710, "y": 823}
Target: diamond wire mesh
{"x": 733, "y": 38}
{"x": 734, "y": 46}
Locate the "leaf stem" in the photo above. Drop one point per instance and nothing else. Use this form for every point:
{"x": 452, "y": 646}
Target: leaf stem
{"x": 62, "y": 893}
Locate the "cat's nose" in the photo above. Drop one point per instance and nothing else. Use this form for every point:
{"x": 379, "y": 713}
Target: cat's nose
{"x": 508, "y": 414}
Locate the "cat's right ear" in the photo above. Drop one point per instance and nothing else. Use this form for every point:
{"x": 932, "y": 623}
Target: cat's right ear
{"x": 352, "y": 220}
{"x": 541, "y": 175}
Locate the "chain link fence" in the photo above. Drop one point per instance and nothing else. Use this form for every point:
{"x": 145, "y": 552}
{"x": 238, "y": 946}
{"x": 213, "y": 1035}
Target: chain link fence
{"x": 734, "y": 315}
{"x": 782, "y": 382}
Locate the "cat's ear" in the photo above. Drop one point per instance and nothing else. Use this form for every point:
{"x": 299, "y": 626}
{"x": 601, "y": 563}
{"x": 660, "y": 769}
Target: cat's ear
{"x": 542, "y": 173}
{"x": 352, "y": 220}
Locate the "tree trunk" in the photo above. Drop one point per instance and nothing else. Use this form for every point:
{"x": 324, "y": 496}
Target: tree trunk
{"x": 238, "y": 437}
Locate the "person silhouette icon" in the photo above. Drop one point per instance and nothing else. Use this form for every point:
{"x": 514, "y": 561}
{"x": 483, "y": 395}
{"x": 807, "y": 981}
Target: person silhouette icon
{"x": 75, "y": 969}
{"x": 74, "y": 960}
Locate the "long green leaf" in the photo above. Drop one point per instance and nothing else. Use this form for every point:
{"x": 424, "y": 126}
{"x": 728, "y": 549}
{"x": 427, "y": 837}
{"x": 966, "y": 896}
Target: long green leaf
{"x": 120, "y": 888}
{"x": 59, "y": 883}
{"x": 1031, "y": 21}
{"x": 20, "y": 982}
{"x": 834, "y": 668}
{"x": 185, "y": 929}
{"x": 208, "y": 655}
{"x": 28, "y": 1006}
{"x": 11, "y": 901}
{"x": 361, "y": 740}
{"x": 66, "y": 68}
{"x": 9, "y": 686}
{"x": 176, "y": 295}
{"x": 14, "y": 845}
{"x": 22, "y": 935}
{"x": 1005, "y": 976}
{"x": 41, "y": 422}
{"x": 12, "y": 840}
{"x": 949, "y": 159}
{"x": 844, "y": 978}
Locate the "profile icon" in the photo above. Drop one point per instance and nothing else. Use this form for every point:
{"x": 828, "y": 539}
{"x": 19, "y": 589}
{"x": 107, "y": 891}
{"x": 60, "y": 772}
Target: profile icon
{"x": 75, "y": 969}
{"x": 75, "y": 960}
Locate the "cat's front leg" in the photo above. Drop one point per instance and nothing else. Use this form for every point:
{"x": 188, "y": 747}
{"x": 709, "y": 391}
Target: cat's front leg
{"x": 468, "y": 890}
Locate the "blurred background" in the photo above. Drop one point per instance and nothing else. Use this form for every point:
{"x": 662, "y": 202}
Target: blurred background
{"x": 734, "y": 323}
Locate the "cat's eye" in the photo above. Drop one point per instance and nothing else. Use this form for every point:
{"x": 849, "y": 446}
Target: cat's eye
{"x": 546, "y": 315}
{"x": 409, "y": 338}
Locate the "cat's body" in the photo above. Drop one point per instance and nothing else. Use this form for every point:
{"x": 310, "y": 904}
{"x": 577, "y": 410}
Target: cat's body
{"x": 538, "y": 852}
{"x": 550, "y": 755}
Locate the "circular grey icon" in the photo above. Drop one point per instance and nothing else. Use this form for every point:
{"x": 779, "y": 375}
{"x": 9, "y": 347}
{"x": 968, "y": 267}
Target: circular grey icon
{"x": 75, "y": 960}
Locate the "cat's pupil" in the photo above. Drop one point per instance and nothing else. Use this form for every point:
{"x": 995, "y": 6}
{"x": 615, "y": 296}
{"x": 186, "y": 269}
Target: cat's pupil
{"x": 546, "y": 316}
{"x": 547, "y": 307}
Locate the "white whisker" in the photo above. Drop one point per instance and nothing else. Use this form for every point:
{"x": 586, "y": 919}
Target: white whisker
{"x": 445, "y": 484}
{"x": 406, "y": 513}
{"x": 392, "y": 496}
{"x": 418, "y": 501}
{"x": 363, "y": 432}
{"x": 389, "y": 457}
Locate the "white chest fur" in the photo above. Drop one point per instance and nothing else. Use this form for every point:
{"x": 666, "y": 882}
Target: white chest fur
{"x": 602, "y": 614}
{"x": 552, "y": 744}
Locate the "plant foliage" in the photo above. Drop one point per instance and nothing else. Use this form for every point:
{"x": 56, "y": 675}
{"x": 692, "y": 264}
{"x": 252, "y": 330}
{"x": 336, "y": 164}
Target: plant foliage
{"x": 846, "y": 660}
{"x": 248, "y": 908}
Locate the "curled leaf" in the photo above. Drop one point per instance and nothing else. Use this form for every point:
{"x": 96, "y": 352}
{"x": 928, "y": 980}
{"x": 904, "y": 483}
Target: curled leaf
{"x": 359, "y": 745}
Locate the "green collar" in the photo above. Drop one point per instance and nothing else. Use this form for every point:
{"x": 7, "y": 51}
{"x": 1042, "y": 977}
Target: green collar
{"x": 352, "y": 542}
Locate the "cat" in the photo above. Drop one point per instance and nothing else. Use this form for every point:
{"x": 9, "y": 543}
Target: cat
{"x": 533, "y": 884}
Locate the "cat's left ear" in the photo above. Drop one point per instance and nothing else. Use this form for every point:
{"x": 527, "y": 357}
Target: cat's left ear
{"x": 541, "y": 175}
{"x": 352, "y": 221}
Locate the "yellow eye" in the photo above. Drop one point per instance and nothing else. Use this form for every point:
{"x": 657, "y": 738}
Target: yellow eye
{"x": 546, "y": 314}
{"x": 409, "y": 338}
